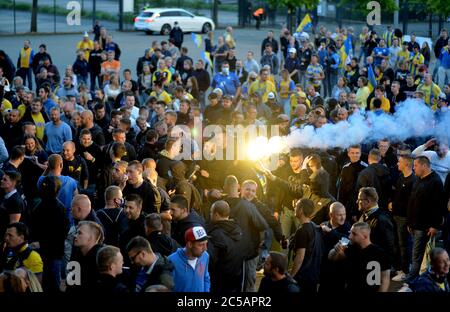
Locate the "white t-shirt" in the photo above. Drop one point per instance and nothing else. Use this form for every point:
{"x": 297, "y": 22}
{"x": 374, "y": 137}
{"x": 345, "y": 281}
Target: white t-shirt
{"x": 193, "y": 262}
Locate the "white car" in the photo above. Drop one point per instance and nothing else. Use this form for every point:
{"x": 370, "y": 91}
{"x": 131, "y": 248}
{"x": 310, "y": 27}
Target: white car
{"x": 162, "y": 20}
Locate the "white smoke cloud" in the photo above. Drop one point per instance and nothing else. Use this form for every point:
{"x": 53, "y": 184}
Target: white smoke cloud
{"x": 411, "y": 119}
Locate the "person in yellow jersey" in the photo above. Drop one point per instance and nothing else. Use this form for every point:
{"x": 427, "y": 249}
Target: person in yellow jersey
{"x": 416, "y": 60}
{"x": 86, "y": 45}
{"x": 37, "y": 116}
{"x": 160, "y": 94}
{"x": 430, "y": 90}
{"x": 263, "y": 86}
{"x": 18, "y": 253}
{"x": 24, "y": 68}
{"x": 379, "y": 94}
{"x": 285, "y": 88}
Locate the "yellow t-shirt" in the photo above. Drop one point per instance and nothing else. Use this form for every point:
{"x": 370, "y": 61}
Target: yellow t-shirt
{"x": 361, "y": 96}
{"x": 431, "y": 93}
{"x": 88, "y": 46}
{"x": 385, "y": 104}
{"x": 263, "y": 88}
{"x": 284, "y": 88}
{"x": 40, "y": 125}
{"x": 164, "y": 96}
{"x": 403, "y": 55}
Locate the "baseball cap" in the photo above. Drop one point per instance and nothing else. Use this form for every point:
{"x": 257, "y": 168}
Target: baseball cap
{"x": 218, "y": 91}
{"x": 271, "y": 95}
{"x": 292, "y": 50}
{"x": 195, "y": 234}
{"x": 86, "y": 34}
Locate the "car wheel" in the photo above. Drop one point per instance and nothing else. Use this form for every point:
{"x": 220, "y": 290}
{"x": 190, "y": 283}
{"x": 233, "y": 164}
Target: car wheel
{"x": 206, "y": 28}
{"x": 165, "y": 30}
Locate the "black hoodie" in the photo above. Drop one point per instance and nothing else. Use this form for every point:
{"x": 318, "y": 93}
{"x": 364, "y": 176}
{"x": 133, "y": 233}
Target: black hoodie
{"x": 180, "y": 227}
{"x": 227, "y": 251}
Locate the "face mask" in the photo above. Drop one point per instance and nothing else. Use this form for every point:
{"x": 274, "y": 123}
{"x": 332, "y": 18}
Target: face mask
{"x": 225, "y": 71}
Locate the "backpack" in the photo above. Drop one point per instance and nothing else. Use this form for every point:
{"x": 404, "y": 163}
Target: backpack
{"x": 113, "y": 226}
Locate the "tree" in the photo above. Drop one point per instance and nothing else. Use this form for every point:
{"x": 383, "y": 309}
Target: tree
{"x": 292, "y": 6}
{"x": 34, "y": 11}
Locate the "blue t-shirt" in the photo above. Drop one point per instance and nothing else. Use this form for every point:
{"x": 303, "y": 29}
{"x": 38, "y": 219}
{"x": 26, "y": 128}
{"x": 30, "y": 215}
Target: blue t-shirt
{"x": 377, "y": 53}
{"x": 65, "y": 195}
{"x": 48, "y": 105}
{"x": 228, "y": 84}
{"x": 56, "y": 136}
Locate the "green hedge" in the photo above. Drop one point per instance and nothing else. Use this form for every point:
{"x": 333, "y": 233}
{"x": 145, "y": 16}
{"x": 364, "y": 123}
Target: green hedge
{"x": 128, "y": 17}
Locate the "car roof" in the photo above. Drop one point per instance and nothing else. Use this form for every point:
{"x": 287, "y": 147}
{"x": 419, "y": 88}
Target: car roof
{"x": 159, "y": 10}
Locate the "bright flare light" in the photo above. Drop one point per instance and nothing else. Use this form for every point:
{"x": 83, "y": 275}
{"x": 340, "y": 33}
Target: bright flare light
{"x": 258, "y": 148}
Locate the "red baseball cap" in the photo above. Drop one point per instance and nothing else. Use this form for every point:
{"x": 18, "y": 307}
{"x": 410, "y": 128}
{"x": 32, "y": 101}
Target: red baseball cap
{"x": 195, "y": 234}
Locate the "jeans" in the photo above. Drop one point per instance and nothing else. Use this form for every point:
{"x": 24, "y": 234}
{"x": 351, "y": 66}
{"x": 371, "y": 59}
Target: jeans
{"x": 444, "y": 76}
{"x": 402, "y": 236}
{"x": 420, "y": 241}
{"x": 266, "y": 246}
{"x": 250, "y": 274}
{"x": 51, "y": 278}
{"x": 437, "y": 64}
{"x": 82, "y": 79}
{"x": 286, "y": 106}
{"x": 25, "y": 73}
{"x": 332, "y": 78}
{"x": 289, "y": 223}
{"x": 94, "y": 77}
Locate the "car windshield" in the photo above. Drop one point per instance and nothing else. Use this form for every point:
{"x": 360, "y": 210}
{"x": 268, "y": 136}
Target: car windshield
{"x": 146, "y": 14}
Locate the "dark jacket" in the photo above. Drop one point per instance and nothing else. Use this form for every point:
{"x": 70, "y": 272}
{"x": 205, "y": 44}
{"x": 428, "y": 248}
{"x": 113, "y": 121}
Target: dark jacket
{"x": 89, "y": 270}
{"x": 286, "y": 285}
{"x": 115, "y": 223}
{"x": 377, "y": 176}
{"x": 291, "y": 188}
{"x": 97, "y": 135}
{"x": 81, "y": 67}
{"x": 163, "y": 165}
{"x": 177, "y": 35}
{"x": 213, "y": 114}
{"x": 381, "y": 231}
{"x": 162, "y": 243}
{"x": 161, "y": 274}
{"x": 440, "y": 43}
{"x": 180, "y": 227}
{"x": 273, "y": 43}
{"x": 227, "y": 251}
{"x": 134, "y": 228}
{"x": 109, "y": 284}
{"x": 183, "y": 187}
{"x": 347, "y": 186}
{"x": 49, "y": 227}
{"x": 428, "y": 282}
{"x": 203, "y": 79}
{"x": 251, "y": 222}
{"x": 426, "y": 206}
{"x": 267, "y": 214}
{"x": 95, "y": 62}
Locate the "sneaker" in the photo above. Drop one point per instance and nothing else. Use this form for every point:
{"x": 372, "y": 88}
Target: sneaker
{"x": 400, "y": 277}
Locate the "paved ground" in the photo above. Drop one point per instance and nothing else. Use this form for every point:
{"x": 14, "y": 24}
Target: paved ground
{"x": 62, "y": 47}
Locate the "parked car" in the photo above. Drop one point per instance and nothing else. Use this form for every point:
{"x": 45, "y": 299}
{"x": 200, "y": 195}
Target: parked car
{"x": 162, "y": 20}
